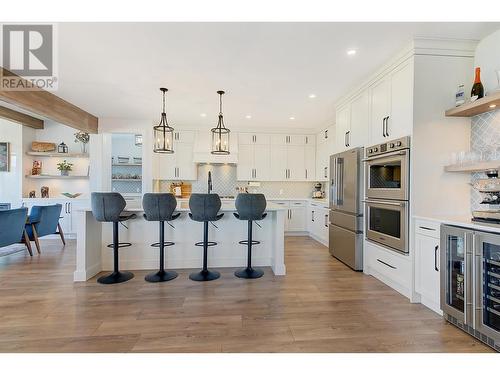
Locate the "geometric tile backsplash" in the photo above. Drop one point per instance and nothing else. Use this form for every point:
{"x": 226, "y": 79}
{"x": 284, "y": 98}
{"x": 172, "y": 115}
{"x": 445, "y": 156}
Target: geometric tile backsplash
{"x": 485, "y": 140}
{"x": 224, "y": 183}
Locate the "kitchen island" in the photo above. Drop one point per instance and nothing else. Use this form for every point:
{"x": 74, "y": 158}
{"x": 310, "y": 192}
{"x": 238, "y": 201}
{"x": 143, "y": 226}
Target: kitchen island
{"x": 93, "y": 255}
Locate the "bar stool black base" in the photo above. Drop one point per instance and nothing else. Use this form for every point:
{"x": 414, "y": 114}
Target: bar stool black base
{"x": 116, "y": 277}
{"x": 204, "y": 275}
{"x": 161, "y": 276}
{"x": 249, "y": 273}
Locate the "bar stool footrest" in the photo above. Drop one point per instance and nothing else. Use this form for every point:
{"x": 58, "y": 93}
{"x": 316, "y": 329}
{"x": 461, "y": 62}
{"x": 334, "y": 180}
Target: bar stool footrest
{"x": 120, "y": 244}
{"x": 209, "y": 243}
{"x": 245, "y": 242}
{"x": 166, "y": 243}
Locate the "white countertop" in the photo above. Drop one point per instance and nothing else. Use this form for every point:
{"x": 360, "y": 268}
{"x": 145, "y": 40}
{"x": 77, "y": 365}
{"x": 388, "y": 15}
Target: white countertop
{"x": 183, "y": 206}
{"x": 462, "y": 221}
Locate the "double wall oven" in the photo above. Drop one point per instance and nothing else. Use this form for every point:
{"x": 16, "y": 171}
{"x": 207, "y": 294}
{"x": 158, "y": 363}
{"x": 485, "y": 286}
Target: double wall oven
{"x": 387, "y": 180}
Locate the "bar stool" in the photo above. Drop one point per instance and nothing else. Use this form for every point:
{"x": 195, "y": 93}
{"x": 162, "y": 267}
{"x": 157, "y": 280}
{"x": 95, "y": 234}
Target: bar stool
{"x": 160, "y": 207}
{"x": 108, "y": 207}
{"x": 250, "y": 207}
{"x": 204, "y": 208}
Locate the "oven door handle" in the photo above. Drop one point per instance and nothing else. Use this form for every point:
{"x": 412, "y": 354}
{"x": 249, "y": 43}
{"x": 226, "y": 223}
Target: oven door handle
{"x": 402, "y": 152}
{"x": 398, "y": 204}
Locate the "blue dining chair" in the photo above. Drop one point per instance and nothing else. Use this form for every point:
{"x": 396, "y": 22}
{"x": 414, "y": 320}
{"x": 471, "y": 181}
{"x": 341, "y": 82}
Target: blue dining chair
{"x": 44, "y": 221}
{"x": 12, "y": 224}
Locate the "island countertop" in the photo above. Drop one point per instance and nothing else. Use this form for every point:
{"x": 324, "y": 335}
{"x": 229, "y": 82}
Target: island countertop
{"x": 183, "y": 206}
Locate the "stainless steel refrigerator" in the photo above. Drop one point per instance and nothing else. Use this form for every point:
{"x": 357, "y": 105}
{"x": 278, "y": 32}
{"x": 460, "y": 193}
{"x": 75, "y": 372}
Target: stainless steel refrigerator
{"x": 346, "y": 208}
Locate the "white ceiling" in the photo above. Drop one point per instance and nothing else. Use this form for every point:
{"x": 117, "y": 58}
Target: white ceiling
{"x": 267, "y": 69}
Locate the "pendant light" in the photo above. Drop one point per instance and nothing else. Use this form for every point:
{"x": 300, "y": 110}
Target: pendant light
{"x": 220, "y": 134}
{"x": 163, "y": 133}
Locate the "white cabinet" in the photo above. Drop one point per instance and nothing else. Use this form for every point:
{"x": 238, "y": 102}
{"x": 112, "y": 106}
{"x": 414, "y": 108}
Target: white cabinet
{"x": 179, "y": 165}
{"x": 360, "y": 120}
{"x": 317, "y": 222}
{"x": 310, "y": 163}
{"x": 296, "y": 166}
{"x": 391, "y": 100}
{"x": 278, "y": 163}
{"x": 292, "y": 139}
{"x": 427, "y": 272}
{"x": 343, "y": 125}
{"x": 325, "y": 146}
{"x": 254, "y": 138}
{"x": 253, "y": 162}
{"x": 295, "y": 215}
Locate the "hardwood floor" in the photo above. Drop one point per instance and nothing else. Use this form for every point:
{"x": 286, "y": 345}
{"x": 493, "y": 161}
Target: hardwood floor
{"x": 320, "y": 306}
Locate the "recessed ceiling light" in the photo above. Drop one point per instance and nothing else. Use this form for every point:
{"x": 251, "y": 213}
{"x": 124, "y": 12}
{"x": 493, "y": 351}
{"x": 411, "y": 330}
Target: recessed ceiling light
{"x": 203, "y": 114}
{"x": 493, "y": 105}
{"x": 248, "y": 116}
{"x": 312, "y": 96}
{"x": 292, "y": 118}
{"x": 351, "y": 52}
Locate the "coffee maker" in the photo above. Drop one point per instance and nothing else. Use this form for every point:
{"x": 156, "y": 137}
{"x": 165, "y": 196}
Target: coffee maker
{"x": 318, "y": 192}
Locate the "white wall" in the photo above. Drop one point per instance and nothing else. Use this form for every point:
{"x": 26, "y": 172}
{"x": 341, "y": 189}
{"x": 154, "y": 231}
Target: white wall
{"x": 488, "y": 59}
{"x": 11, "y": 182}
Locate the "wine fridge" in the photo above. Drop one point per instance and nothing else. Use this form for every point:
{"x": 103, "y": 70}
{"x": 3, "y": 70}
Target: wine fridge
{"x": 470, "y": 282}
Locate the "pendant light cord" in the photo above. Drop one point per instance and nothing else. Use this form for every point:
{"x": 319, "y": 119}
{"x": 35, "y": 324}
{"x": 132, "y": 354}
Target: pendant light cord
{"x": 220, "y": 104}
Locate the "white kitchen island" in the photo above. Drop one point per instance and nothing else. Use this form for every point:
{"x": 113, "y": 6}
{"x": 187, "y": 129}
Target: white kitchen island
{"x": 93, "y": 255}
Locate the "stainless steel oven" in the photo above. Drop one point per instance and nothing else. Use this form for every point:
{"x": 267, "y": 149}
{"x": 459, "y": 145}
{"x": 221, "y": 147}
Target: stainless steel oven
{"x": 387, "y": 170}
{"x": 387, "y": 190}
{"x": 387, "y": 223}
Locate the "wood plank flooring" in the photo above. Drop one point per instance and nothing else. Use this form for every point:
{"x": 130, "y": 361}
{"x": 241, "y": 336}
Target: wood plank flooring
{"x": 320, "y": 306}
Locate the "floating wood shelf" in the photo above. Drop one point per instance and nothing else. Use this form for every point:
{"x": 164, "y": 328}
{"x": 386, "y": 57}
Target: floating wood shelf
{"x": 126, "y": 165}
{"x": 57, "y": 154}
{"x": 486, "y": 104}
{"x": 46, "y": 176}
{"x": 126, "y": 179}
{"x": 473, "y": 167}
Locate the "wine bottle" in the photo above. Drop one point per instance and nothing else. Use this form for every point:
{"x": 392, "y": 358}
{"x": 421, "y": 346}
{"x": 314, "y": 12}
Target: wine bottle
{"x": 477, "y": 91}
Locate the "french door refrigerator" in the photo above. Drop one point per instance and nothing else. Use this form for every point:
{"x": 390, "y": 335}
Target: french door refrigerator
{"x": 470, "y": 282}
{"x": 346, "y": 209}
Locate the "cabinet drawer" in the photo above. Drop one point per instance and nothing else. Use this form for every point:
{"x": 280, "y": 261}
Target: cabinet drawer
{"x": 282, "y": 203}
{"x": 297, "y": 204}
{"x": 391, "y": 266}
{"x": 427, "y": 228}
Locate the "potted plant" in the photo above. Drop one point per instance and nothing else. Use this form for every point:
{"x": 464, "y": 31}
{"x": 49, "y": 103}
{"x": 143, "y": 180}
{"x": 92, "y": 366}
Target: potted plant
{"x": 65, "y": 167}
{"x": 83, "y": 138}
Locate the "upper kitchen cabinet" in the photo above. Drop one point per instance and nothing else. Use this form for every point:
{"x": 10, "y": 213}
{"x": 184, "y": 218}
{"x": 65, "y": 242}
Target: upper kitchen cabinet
{"x": 325, "y": 146}
{"x": 179, "y": 165}
{"x": 292, "y": 139}
{"x": 391, "y": 99}
{"x": 254, "y": 138}
{"x": 352, "y": 123}
{"x": 203, "y": 148}
{"x": 253, "y": 162}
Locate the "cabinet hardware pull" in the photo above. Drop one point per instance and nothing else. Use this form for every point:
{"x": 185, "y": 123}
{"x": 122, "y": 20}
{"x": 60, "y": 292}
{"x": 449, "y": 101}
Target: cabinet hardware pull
{"x": 312, "y": 216}
{"x": 427, "y": 228}
{"x": 306, "y": 174}
{"x": 348, "y": 138}
{"x": 387, "y": 264}
{"x": 383, "y": 127}
{"x": 326, "y": 134}
{"x": 307, "y": 140}
{"x": 325, "y": 172}
{"x": 387, "y": 126}
{"x": 435, "y": 258}
{"x": 326, "y": 220}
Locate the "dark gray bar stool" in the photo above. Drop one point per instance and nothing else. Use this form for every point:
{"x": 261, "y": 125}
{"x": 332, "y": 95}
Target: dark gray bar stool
{"x": 108, "y": 207}
{"x": 205, "y": 208}
{"x": 160, "y": 207}
{"x": 250, "y": 207}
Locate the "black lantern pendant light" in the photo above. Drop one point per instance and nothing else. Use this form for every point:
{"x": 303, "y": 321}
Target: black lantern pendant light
{"x": 220, "y": 134}
{"x": 163, "y": 133}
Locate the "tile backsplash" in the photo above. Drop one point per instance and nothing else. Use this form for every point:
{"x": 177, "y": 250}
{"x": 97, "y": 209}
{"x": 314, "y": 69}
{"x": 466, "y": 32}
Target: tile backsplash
{"x": 485, "y": 140}
{"x": 224, "y": 183}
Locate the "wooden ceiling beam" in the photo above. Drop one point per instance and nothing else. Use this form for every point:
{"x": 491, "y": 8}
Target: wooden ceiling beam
{"x": 50, "y": 106}
{"x": 21, "y": 118}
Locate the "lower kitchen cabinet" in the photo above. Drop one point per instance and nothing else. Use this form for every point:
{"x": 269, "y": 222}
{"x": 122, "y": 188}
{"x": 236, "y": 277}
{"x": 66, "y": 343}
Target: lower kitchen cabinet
{"x": 427, "y": 272}
{"x": 295, "y": 216}
{"x": 317, "y": 222}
